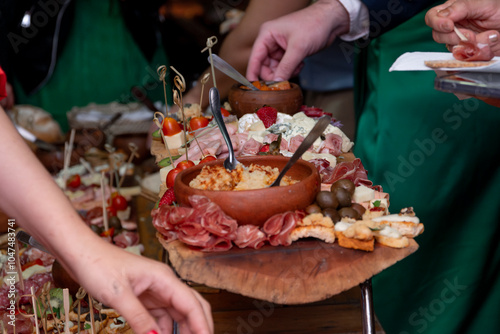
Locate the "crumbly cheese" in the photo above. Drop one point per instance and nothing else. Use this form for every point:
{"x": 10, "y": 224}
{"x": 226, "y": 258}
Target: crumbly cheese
{"x": 329, "y": 157}
{"x": 389, "y": 232}
{"x": 363, "y": 194}
{"x": 342, "y": 226}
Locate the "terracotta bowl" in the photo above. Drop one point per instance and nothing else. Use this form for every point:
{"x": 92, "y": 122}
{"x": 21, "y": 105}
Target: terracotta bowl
{"x": 256, "y": 206}
{"x": 245, "y": 101}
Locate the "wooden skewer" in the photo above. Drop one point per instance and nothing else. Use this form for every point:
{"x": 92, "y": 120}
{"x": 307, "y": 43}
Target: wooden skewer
{"x": 66, "y": 310}
{"x": 91, "y": 307}
{"x": 211, "y": 41}
{"x": 34, "y": 302}
{"x": 104, "y": 211}
{"x": 460, "y": 34}
{"x": 68, "y": 150}
{"x": 18, "y": 266}
{"x": 204, "y": 80}
{"x": 180, "y": 84}
{"x": 133, "y": 153}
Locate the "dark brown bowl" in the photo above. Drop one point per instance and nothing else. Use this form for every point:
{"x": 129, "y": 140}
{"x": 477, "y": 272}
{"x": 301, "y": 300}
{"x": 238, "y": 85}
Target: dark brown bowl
{"x": 244, "y": 101}
{"x": 256, "y": 206}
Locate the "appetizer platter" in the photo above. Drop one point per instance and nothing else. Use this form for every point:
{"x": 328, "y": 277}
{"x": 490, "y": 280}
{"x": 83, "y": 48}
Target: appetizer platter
{"x": 347, "y": 217}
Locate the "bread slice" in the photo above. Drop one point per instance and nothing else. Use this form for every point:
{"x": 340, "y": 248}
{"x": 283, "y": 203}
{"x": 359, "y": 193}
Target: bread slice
{"x": 391, "y": 237}
{"x": 408, "y": 226}
{"x": 327, "y": 234}
{"x": 364, "y": 245}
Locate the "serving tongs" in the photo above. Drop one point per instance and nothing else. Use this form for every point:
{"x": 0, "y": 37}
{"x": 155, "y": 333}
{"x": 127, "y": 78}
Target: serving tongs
{"x": 214, "y": 99}
{"x": 230, "y": 71}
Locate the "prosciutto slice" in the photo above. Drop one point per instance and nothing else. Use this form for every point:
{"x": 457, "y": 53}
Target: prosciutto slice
{"x": 250, "y": 236}
{"x": 279, "y": 227}
{"x": 472, "y": 51}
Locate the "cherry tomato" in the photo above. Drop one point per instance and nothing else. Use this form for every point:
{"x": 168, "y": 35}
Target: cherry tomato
{"x": 224, "y": 112}
{"x": 118, "y": 202}
{"x": 171, "y": 176}
{"x": 111, "y": 211}
{"x": 74, "y": 181}
{"x": 198, "y": 122}
{"x": 185, "y": 164}
{"x": 207, "y": 159}
{"x": 170, "y": 126}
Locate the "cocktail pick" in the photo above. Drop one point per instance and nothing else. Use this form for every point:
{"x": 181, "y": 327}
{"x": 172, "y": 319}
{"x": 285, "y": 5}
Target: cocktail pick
{"x": 203, "y": 81}
{"x": 162, "y": 72}
{"x": 211, "y": 41}
{"x": 18, "y": 266}
{"x": 180, "y": 84}
{"x": 34, "y": 301}
{"x": 104, "y": 210}
{"x": 460, "y": 35}
{"x": 133, "y": 154}
{"x": 156, "y": 119}
{"x": 66, "y": 310}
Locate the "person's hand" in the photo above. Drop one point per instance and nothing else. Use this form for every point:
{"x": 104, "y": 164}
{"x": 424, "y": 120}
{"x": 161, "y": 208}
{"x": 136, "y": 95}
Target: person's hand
{"x": 8, "y": 102}
{"x": 140, "y": 289}
{"x": 473, "y": 17}
{"x": 283, "y": 43}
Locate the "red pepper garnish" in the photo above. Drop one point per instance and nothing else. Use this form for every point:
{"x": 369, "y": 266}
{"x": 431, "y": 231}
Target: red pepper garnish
{"x": 109, "y": 233}
{"x": 31, "y": 264}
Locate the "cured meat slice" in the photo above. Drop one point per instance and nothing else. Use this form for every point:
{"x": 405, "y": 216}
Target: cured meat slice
{"x": 332, "y": 145}
{"x": 351, "y": 170}
{"x": 251, "y": 147}
{"x": 126, "y": 239}
{"x": 250, "y": 236}
{"x": 472, "y": 51}
{"x": 279, "y": 227}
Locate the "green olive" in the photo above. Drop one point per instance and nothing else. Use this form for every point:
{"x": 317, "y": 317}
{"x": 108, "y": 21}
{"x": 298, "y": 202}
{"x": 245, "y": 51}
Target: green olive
{"x": 326, "y": 199}
{"x": 343, "y": 197}
{"x": 349, "y": 212}
{"x": 345, "y": 184}
{"x": 359, "y": 208}
{"x": 313, "y": 208}
{"x": 332, "y": 213}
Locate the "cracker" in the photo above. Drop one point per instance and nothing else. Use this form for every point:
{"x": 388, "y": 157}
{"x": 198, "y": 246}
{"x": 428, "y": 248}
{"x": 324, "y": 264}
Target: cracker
{"x": 456, "y": 63}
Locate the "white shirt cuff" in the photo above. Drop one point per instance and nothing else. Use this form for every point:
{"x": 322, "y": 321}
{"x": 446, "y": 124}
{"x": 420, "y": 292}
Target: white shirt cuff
{"x": 359, "y": 21}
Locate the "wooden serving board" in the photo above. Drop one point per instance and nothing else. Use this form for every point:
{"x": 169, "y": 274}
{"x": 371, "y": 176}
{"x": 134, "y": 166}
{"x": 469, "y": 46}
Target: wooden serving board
{"x": 304, "y": 272}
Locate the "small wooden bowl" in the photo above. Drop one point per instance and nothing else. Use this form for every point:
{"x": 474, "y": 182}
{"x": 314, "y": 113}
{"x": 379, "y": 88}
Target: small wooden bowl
{"x": 256, "y": 206}
{"x": 245, "y": 101}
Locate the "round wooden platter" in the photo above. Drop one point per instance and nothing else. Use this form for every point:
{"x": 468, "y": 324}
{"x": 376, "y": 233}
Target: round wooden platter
{"x": 307, "y": 271}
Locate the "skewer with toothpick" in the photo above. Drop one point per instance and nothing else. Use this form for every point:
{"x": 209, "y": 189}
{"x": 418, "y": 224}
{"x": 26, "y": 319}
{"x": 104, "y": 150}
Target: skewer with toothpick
{"x": 211, "y": 41}
{"x": 156, "y": 119}
{"x": 133, "y": 154}
{"x": 180, "y": 84}
{"x": 104, "y": 207}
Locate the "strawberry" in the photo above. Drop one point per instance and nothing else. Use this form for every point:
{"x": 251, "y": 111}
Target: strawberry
{"x": 168, "y": 197}
{"x": 264, "y": 149}
{"x": 267, "y": 115}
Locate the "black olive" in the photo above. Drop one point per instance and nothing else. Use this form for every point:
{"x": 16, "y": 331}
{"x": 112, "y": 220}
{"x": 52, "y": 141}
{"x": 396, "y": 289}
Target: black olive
{"x": 96, "y": 229}
{"x": 115, "y": 222}
{"x": 313, "y": 208}
{"x": 327, "y": 199}
{"x": 359, "y": 208}
{"x": 345, "y": 184}
{"x": 343, "y": 197}
{"x": 349, "y": 212}
{"x": 332, "y": 213}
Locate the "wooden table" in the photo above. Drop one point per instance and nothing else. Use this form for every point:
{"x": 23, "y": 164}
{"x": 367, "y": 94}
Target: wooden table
{"x": 308, "y": 271}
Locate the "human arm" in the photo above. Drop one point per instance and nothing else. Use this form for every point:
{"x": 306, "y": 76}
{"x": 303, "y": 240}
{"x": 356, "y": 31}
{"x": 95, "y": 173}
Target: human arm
{"x": 283, "y": 43}
{"x": 137, "y": 287}
{"x": 238, "y": 43}
{"x": 478, "y": 17}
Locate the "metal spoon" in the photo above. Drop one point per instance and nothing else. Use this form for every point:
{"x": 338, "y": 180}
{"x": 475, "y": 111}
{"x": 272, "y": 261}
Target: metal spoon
{"x": 315, "y": 132}
{"x": 214, "y": 99}
{"x": 230, "y": 71}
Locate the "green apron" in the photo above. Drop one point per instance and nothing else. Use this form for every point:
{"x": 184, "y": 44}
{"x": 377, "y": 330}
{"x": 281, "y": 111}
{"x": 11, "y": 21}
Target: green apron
{"x": 99, "y": 63}
{"x": 440, "y": 155}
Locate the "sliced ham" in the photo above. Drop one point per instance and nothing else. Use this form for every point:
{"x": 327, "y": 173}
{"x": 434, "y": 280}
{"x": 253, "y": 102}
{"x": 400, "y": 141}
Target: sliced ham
{"x": 332, "y": 145}
{"x": 250, "y": 147}
{"x": 250, "y": 236}
{"x": 472, "y": 51}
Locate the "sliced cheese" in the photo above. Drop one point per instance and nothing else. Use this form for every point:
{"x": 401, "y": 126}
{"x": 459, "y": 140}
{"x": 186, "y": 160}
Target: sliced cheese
{"x": 175, "y": 141}
{"x": 36, "y": 269}
{"x": 397, "y": 218}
